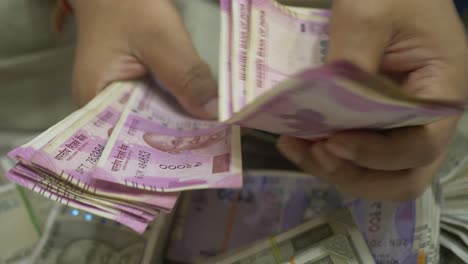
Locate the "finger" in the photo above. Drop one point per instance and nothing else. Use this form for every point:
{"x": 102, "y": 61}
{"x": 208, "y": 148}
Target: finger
{"x": 311, "y": 157}
{"x": 396, "y": 149}
{"x": 96, "y": 67}
{"x": 293, "y": 149}
{"x": 358, "y": 33}
{"x": 402, "y": 185}
{"x": 167, "y": 50}
{"x": 316, "y": 160}
{"x": 397, "y": 186}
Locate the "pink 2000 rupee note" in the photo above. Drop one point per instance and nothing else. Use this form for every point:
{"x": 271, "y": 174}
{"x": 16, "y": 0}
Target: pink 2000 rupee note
{"x": 27, "y": 151}
{"x": 225, "y": 71}
{"x": 239, "y": 50}
{"x": 318, "y": 102}
{"x": 73, "y": 154}
{"x": 282, "y": 42}
{"x": 155, "y": 146}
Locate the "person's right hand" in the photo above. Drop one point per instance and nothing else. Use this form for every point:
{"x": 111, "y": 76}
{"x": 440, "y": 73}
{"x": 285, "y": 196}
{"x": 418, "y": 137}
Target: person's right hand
{"x": 423, "y": 46}
{"x": 120, "y": 40}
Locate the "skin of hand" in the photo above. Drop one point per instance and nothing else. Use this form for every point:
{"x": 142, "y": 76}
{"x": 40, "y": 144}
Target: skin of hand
{"x": 422, "y": 45}
{"x": 121, "y": 40}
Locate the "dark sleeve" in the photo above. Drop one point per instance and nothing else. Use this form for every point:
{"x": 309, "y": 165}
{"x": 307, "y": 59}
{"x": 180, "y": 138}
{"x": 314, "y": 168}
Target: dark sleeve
{"x": 462, "y": 5}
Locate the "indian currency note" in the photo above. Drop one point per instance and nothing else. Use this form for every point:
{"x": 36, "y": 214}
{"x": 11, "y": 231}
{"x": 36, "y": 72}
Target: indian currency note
{"x": 405, "y": 232}
{"x": 320, "y": 231}
{"x": 27, "y": 150}
{"x": 75, "y": 236}
{"x": 453, "y": 169}
{"x": 155, "y": 146}
{"x": 55, "y": 186}
{"x": 455, "y": 245}
{"x": 324, "y": 255}
{"x": 40, "y": 206}
{"x": 269, "y": 203}
{"x": 457, "y": 184}
{"x": 394, "y": 232}
{"x": 239, "y": 50}
{"x": 64, "y": 197}
{"x": 19, "y": 232}
{"x": 335, "y": 97}
{"x": 456, "y": 230}
{"x": 225, "y": 69}
{"x": 74, "y": 153}
{"x": 281, "y": 43}
{"x": 317, "y": 255}
{"x": 447, "y": 257}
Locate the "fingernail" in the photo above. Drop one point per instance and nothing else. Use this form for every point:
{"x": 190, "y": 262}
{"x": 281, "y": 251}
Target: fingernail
{"x": 291, "y": 151}
{"x": 340, "y": 150}
{"x": 211, "y": 107}
{"x": 328, "y": 162}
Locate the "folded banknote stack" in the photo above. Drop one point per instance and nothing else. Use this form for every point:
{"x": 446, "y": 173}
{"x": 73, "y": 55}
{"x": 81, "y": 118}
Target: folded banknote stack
{"x": 128, "y": 152}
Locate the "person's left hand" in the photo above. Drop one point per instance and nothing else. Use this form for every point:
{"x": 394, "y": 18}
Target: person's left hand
{"x": 424, "y": 44}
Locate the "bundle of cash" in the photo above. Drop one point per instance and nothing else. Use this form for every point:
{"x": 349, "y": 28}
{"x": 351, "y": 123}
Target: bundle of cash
{"x": 336, "y": 234}
{"x": 272, "y": 78}
{"x": 454, "y": 184}
{"x": 213, "y": 223}
{"x": 73, "y": 237}
{"x": 126, "y": 154}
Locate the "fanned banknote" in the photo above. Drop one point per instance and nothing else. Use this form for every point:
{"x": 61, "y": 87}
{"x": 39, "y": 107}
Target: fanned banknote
{"x": 75, "y": 161}
{"x": 339, "y": 96}
{"x": 58, "y": 165}
{"x": 157, "y": 147}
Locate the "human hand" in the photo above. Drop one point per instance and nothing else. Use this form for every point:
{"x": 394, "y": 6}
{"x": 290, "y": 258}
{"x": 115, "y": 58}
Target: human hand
{"x": 422, "y": 45}
{"x": 120, "y": 40}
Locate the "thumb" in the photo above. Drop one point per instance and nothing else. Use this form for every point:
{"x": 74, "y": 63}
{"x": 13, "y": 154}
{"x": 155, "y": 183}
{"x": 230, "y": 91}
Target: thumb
{"x": 359, "y": 33}
{"x": 169, "y": 54}
{"x": 96, "y": 66}
{"x": 99, "y": 60}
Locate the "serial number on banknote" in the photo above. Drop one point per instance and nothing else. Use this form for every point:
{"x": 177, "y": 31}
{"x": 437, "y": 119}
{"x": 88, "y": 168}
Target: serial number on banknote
{"x": 95, "y": 154}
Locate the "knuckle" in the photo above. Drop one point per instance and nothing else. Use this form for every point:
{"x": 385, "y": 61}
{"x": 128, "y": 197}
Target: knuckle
{"x": 195, "y": 84}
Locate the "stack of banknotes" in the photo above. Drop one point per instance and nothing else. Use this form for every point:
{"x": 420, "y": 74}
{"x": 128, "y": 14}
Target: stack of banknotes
{"x": 291, "y": 217}
{"x": 454, "y": 214}
{"x": 128, "y": 152}
{"x": 76, "y": 237}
